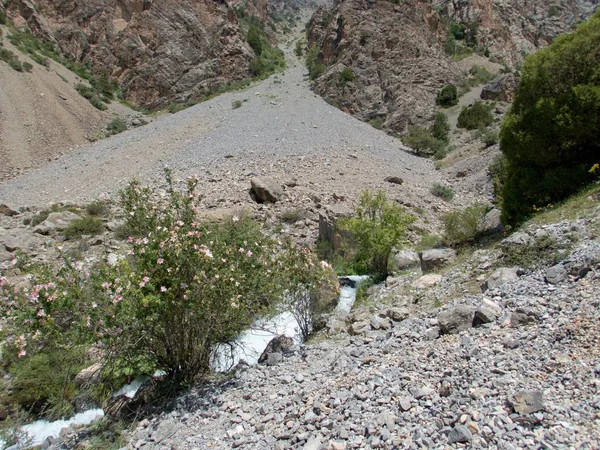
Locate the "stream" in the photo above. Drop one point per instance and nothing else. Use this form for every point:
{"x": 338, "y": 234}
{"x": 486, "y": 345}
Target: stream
{"x": 249, "y": 346}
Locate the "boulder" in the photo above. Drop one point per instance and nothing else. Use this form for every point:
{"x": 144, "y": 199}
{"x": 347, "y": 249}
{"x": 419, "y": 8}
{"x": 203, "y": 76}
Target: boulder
{"x": 500, "y": 276}
{"x": 7, "y": 210}
{"x": 89, "y": 375}
{"x": 456, "y": 319}
{"x": 56, "y": 222}
{"x": 266, "y": 190}
{"x": 520, "y": 318}
{"x": 20, "y": 239}
{"x": 487, "y": 312}
{"x": 405, "y": 260}
{"x": 398, "y": 314}
{"x": 427, "y": 281}
{"x": 527, "y": 402}
{"x": 436, "y": 258}
{"x": 394, "y": 180}
{"x": 518, "y": 239}
{"x": 279, "y": 344}
{"x": 328, "y": 231}
{"x": 501, "y": 89}
{"x": 460, "y": 433}
{"x": 492, "y": 222}
{"x": 556, "y": 274}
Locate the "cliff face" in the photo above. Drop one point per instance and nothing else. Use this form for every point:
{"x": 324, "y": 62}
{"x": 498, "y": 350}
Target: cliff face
{"x": 512, "y": 29}
{"x": 160, "y": 51}
{"x": 395, "y": 55}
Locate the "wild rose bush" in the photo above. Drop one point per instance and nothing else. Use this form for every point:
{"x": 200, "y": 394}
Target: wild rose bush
{"x": 185, "y": 287}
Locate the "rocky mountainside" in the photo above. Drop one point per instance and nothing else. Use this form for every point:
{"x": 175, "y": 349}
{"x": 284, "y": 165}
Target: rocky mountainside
{"x": 158, "y": 51}
{"x": 392, "y": 53}
{"x": 384, "y": 61}
{"x": 512, "y": 29}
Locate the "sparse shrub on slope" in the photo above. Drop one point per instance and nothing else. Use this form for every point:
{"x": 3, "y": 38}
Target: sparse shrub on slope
{"x": 462, "y": 226}
{"x": 550, "y": 135}
{"x": 478, "y": 115}
{"x": 447, "y": 96}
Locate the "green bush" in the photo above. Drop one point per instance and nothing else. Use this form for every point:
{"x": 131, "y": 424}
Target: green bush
{"x": 84, "y": 226}
{"x": 497, "y": 171}
{"x": 380, "y": 226}
{"x": 345, "y": 76}
{"x": 254, "y": 38}
{"x": 447, "y": 96}
{"x": 478, "y": 115}
{"x": 299, "y": 49}
{"x": 490, "y": 138}
{"x": 27, "y": 67}
{"x": 97, "y": 208}
{"x": 2, "y": 17}
{"x": 378, "y": 123}
{"x": 116, "y": 125}
{"x": 441, "y": 128}
{"x": 444, "y": 192}
{"x": 314, "y": 63}
{"x": 550, "y": 135}
{"x": 463, "y": 226}
{"x": 422, "y": 141}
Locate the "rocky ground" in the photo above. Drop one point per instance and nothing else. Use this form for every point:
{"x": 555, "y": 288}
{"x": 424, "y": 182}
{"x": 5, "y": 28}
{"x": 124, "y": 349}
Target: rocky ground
{"x": 428, "y": 363}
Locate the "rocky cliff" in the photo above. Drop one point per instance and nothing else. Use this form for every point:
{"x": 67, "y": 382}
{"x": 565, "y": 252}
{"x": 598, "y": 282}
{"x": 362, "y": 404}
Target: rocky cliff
{"x": 383, "y": 61}
{"x": 158, "y": 51}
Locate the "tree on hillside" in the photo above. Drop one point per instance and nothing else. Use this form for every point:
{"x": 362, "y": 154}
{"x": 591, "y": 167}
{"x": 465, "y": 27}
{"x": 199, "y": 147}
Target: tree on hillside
{"x": 551, "y": 135}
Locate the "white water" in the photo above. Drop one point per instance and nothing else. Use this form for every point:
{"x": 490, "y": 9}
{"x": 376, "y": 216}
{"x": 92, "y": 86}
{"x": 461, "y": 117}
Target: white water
{"x": 348, "y": 294}
{"x": 249, "y": 346}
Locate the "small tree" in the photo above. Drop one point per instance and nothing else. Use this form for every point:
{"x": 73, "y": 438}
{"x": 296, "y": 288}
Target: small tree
{"x": 463, "y": 225}
{"x": 254, "y": 38}
{"x": 379, "y": 226}
{"x": 447, "y": 96}
{"x": 478, "y": 115}
{"x": 441, "y": 128}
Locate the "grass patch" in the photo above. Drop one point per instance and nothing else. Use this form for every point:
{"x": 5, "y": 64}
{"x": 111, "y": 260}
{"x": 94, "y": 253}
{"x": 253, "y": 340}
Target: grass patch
{"x": 98, "y": 208}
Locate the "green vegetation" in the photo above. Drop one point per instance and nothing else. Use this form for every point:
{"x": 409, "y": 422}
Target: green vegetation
{"x": 84, "y": 226}
{"x": 462, "y": 226}
{"x": 550, "y": 135}
{"x": 116, "y": 125}
{"x": 497, "y": 171}
{"x": 98, "y": 208}
{"x": 380, "y": 226}
{"x": 11, "y": 59}
{"x": 299, "y": 50}
{"x": 346, "y": 76}
{"x": 476, "y": 76}
{"x": 478, "y": 115}
{"x": 447, "y": 96}
{"x": 92, "y": 96}
{"x": 378, "y": 123}
{"x": 314, "y": 63}
{"x": 2, "y": 17}
{"x": 236, "y": 104}
{"x": 268, "y": 59}
{"x": 432, "y": 141}
{"x": 544, "y": 251}
{"x": 444, "y": 192}
{"x": 490, "y": 138}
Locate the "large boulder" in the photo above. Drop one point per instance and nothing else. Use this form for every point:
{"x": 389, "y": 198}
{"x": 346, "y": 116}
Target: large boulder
{"x": 20, "y": 239}
{"x": 500, "y": 276}
{"x": 500, "y": 89}
{"x": 492, "y": 222}
{"x": 89, "y": 375}
{"x": 436, "y": 258}
{"x": 279, "y": 345}
{"x": 328, "y": 230}
{"x": 266, "y": 190}
{"x": 456, "y": 319}
{"x": 8, "y": 210}
{"x": 405, "y": 260}
{"x": 56, "y": 222}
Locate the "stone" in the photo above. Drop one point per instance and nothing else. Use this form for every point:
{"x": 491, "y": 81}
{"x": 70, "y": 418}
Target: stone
{"x": 314, "y": 443}
{"x": 89, "y": 375}
{"x": 279, "y": 344}
{"x": 328, "y": 230}
{"x": 427, "y": 281}
{"x": 500, "y": 276}
{"x": 456, "y": 319}
{"x": 405, "y": 260}
{"x": 460, "y": 433}
{"x": 487, "y": 312}
{"x": 492, "y": 222}
{"x": 556, "y": 274}
{"x": 20, "y": 239}
{"x": 527, "y": 401}
{"x": 500, "y": 89}
{"x": 56, "y": 222}
{"x": 394, "y": 180}
{"x": 405, "y": 403}
{"x": 518, "y": 239}
{"x": 518, "y": 319}
{"x": 7, "y": 210}
{"x": 358, "y": 328}
{"x": 436, "y": 258}
{"x": 273, "y": 359}
{"x": 266, "y": 190}
{"x": 398, "y": 314}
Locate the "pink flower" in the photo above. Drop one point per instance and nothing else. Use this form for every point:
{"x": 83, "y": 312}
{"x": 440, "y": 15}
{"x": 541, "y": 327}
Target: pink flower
{"x": 41, "y": 313}
{"x": 22, "y": 353}
{"x": 248, "y": 253}
{"x": 88, "y": 321}
{"x": 146, "y": 279}
{"x": 159, "y": 261}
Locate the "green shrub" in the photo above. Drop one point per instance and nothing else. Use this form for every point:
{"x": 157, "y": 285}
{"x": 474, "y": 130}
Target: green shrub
{"x": 27, "y": 67}
{"x": 237, "y": 104}
{"x": 458, "y": 30}
{"x": 314, "y": 63}
{"x": 497, "y": 171}
{"x": 378, "y": 123}
{"x": 550, "y": 135}
{"x": 447, "y": 96}
{"x": 463, "y": 226}
{"x": 441, "y": 128}
{"x": 97, "y": 208}
{"x": 98, "y": 103}
{"x": 380, "y": 226}
{"x": 489, "y": 138}
{"x": 478, "y": 115}
{"x": 84, "y": 226}
{"x": 422, "y": 141}
{"x": 254, "y": 38}
{"x": 429, "y": 241}
{"x": 545, "y": 251}
{"x": 345, "y": 76}
{"x": 2, "y": 17}
{"x": 116, "y": 125}
{"x": 444, "y": 192}
{"x": 299, "y": 50}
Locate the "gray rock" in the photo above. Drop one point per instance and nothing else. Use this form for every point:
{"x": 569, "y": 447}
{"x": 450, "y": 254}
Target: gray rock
{"x": 501, "y": 89}
{"x": 89, "y": 375}
{"x": 279, "y": 344}
{"x": 436, "y": 258}
{"x": 398, "y": 314}
{"x": 492, "y": 222}
{"x": 527, "y": 402}
{"x": 556, "y": 274}
{"x": 266, "y": 190}
{"x": 426, "y": 281}
{"x": 394, "y": 180}
{"x": 20, "y": 239}
{"x": 487, "y": 312}
{"x": 56, "y": 222}
{"x": 460, "y": 433}
{"x": 273, "y": 359}
{"x": 500, "y": 276}
{"x": 456, "y": 319}
{"x": 518, "y": 319}
{"x": 405, "y": 260}
{"x": 516, "y": 240}
{"x": 314, "y": 443}
{"x": 7, "y": 210}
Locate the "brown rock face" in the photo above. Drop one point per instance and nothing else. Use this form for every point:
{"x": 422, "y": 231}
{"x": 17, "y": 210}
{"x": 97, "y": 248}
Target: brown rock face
{"x": 396, "y": 56}
{"x": 160, "y": 51}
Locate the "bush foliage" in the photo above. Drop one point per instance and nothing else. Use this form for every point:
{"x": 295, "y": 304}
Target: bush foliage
{"x": 550, "y": 135}
{"x": 447, "y": 96}
{"x": 478, "y": 115}
{"x": 379, "y": 226}
{"x": 462, "y": 226}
